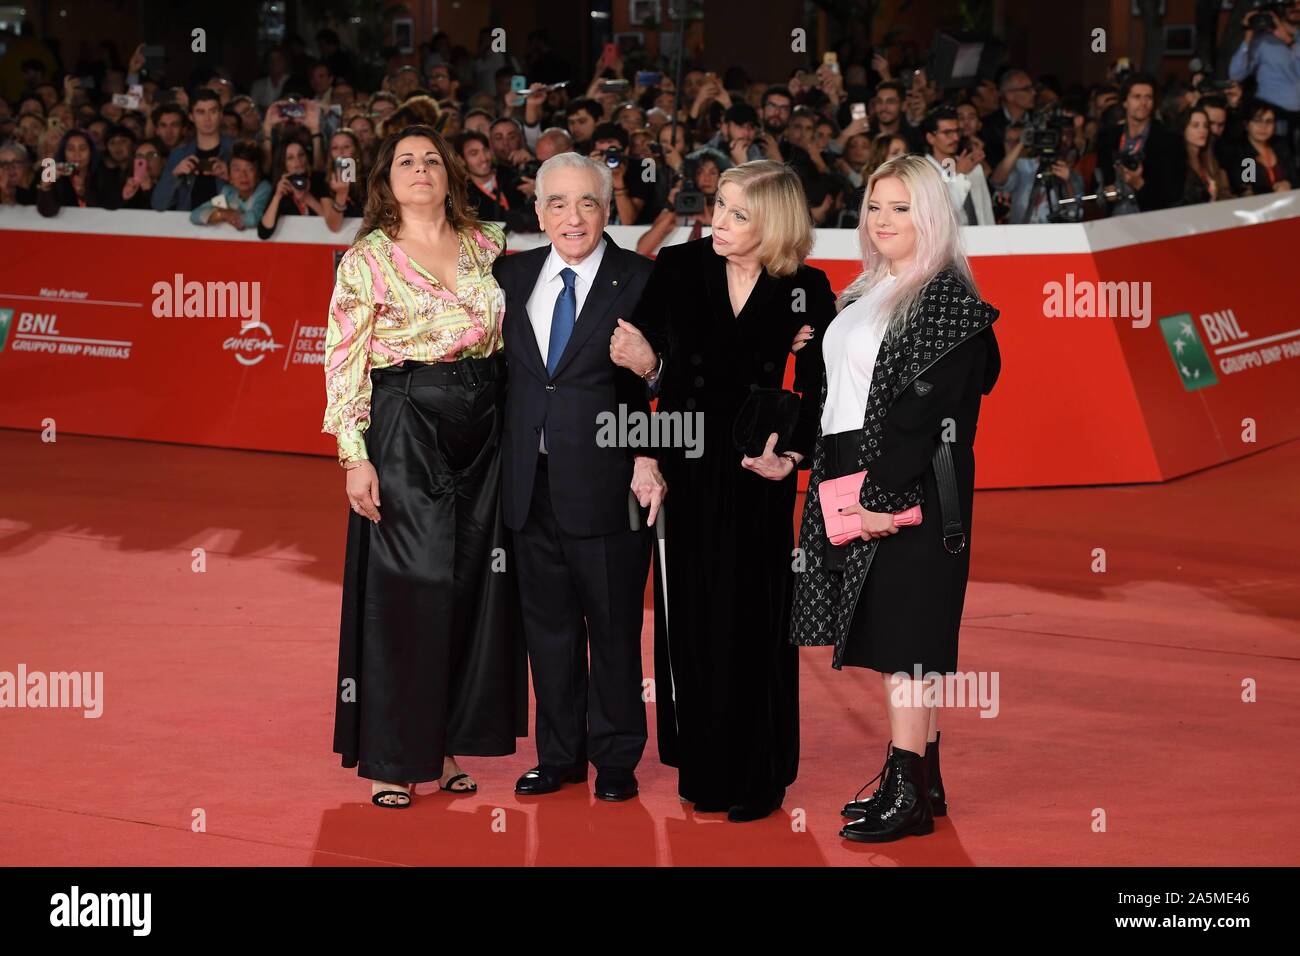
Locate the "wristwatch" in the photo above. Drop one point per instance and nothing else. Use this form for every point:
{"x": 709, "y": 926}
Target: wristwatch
{"x": 652, "y": 374}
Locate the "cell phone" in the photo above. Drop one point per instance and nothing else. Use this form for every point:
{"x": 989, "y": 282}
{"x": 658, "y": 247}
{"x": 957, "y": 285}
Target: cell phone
{"x": 858, "y": 111}
{"x": 87, "y": 82}
{"x": 204, "y": 167}
{"x": 518, "y": 83}
{"x": 141, "y": 170}
{"x": 609, "y": 54}
{"x": 293, "y": 109}
{"x": 127, "y": 101}
{"x": 649, "y": 78}
{"x": 806, "y": 79}
{"x": 831, "y": 58}
{"x": 614, "y": 86}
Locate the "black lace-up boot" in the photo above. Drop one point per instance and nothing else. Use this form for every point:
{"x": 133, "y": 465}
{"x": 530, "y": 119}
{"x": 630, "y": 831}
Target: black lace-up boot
{"x": 857, "y": 807}
{"x": 934, "y": 780}
{"x": 904, "y": 807}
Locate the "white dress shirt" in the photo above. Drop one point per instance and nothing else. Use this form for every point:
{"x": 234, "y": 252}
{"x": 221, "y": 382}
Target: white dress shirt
{"x": 541, "y": 304}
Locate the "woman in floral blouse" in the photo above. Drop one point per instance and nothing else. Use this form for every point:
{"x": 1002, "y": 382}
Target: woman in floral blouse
{"x": 430, "y": 660}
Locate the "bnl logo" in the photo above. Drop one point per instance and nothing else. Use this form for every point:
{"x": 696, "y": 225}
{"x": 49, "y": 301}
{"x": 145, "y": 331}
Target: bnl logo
{"x": 6, "y": 320}
{"x": 1190, "y": 358}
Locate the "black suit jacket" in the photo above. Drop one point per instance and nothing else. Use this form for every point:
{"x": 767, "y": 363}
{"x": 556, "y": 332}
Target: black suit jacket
{"x": 1164, "y": 165}
{"x": 589, "y": 483}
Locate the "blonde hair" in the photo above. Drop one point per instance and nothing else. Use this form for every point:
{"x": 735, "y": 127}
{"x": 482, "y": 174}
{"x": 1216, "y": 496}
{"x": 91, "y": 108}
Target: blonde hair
{"x": 938, "y": 242}
{"x": 779, "y": 212}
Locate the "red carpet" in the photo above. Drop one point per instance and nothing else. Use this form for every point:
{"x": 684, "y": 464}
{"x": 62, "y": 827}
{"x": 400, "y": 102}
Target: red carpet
{"x": 1120, "y": 692}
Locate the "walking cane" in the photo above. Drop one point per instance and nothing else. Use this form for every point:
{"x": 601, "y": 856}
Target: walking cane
{"x": 663, "y": 584}
{"x": 634, "y": 521}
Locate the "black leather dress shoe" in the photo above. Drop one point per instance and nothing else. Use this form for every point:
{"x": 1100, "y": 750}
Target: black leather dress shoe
{"x": 541, "y": 780}
{"x": 615, "y": 785}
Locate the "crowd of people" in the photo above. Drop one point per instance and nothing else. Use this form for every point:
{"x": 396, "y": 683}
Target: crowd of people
{"x": 299, "y": 140}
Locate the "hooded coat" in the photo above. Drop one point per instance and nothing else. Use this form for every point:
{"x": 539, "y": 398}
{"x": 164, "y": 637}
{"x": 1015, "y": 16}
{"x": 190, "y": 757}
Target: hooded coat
{"x": 896, "y": 604}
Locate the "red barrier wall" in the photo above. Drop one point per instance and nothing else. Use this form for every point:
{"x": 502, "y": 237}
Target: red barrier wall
{"x": 86, "y": 338}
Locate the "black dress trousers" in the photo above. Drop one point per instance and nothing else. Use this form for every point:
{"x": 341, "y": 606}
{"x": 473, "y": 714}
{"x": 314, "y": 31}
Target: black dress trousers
{"x": 431, "y": 658}
{"x": 583, "y": 596}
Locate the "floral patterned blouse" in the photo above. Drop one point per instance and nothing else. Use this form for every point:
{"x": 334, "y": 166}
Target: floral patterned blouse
{"x": 387, "y": 308}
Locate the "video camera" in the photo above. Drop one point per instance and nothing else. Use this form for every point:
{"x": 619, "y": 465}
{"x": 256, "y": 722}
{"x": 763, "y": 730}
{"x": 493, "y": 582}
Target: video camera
{"x": 1260, "y": 21}
{"x": 690, "y": 201}
{"x": 1042, "y": 132}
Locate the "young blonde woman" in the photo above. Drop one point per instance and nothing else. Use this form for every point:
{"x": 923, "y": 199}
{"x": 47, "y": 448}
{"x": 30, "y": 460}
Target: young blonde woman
{"x": 908, "y": 357}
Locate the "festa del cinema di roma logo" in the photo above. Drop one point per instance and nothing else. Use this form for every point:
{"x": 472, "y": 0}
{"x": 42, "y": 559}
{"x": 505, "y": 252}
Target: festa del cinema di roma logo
{"x": 220, "y": 300}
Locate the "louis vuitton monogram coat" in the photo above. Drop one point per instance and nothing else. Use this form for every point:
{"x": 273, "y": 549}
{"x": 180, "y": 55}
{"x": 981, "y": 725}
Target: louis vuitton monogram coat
{"x": 927, "y": 381}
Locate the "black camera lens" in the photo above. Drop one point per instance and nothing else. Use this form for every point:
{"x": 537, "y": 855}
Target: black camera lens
{"x": 298, "y": 181}
{"x": 613, "y": 157}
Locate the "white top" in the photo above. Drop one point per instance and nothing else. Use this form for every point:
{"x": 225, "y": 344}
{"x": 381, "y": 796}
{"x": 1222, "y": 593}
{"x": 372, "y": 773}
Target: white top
{"x": 849, "y": 348}
{"x": 541, "y": 304}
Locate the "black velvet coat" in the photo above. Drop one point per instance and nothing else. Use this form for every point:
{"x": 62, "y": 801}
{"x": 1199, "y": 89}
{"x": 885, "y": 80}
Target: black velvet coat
{"x": 726, "y": 677}
{"x": 911, "y": 588}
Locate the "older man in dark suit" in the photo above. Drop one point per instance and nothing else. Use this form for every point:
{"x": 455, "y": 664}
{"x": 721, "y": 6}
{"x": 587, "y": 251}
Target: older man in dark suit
{"x": 582, "y": 564}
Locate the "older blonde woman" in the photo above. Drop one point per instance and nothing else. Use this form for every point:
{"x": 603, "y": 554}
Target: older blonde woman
{"x": 722, "y": 312}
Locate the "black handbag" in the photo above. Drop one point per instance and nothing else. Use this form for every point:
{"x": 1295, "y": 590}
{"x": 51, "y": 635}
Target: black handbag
{"x": 766, "y": 410}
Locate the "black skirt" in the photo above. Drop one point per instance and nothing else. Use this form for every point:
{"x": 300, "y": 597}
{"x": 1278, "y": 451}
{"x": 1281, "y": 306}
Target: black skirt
{"x": 431, "y": 654}
{"x": 908, "y": 615}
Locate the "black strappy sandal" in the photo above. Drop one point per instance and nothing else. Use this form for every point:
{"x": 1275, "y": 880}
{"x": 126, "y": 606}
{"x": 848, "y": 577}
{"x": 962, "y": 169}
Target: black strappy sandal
{"x": 460, "y": 776}
{"x": 377, "y": 799}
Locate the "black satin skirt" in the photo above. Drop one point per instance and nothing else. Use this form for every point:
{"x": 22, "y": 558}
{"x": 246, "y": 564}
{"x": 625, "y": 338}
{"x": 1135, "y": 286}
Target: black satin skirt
{"x": 431, "y": 654}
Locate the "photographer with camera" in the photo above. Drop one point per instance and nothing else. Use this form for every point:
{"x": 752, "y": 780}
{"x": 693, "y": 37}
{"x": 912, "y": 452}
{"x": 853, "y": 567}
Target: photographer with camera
{"x": 197, "y": 169}
{"x": 1140, "y": 154}
{"x": 1269, "y": 53}
{"x": 82, "y": 179}
{"x": 298, "y": 190}
{"x": 1037, "y": 170}
{"x": 633, "y": 196}
{"x": 289, "y": 118}
{"x": 690, "y": 201}
{"x": 958, "y": 163}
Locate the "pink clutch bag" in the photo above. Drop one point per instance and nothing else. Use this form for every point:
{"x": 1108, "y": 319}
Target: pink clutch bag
{"x": 841, "y": 493}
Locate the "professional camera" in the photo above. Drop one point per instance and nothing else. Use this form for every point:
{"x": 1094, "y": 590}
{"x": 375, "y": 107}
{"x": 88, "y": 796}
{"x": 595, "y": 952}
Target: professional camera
{"x": 1260, "y": 21}
{"x": 529, "y": 169}
{"x": 298, "y": 181}
{"x": 613, "y": 157}
{"x": 1042, "y": 132}
{"x": 1129, "y": 161}
{"x": 690, "y": 200}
